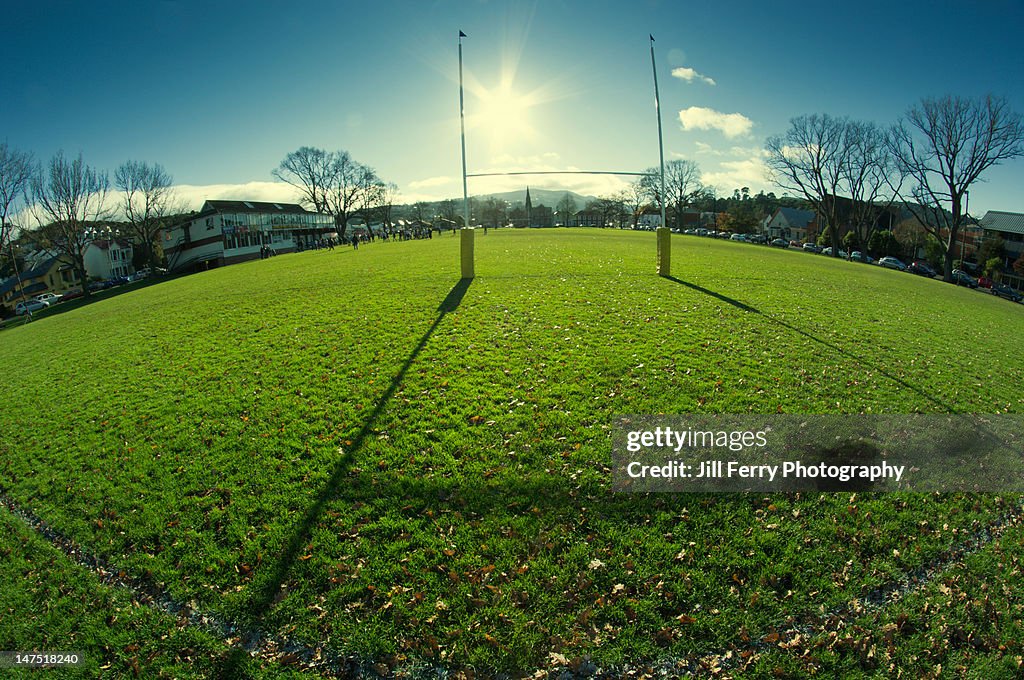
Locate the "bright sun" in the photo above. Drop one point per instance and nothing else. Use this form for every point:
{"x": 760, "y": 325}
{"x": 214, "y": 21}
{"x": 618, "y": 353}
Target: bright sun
{"x": 503, "y": 116}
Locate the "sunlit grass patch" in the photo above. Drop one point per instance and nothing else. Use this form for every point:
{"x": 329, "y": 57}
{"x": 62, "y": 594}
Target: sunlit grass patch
{"x": 357, "y": 446}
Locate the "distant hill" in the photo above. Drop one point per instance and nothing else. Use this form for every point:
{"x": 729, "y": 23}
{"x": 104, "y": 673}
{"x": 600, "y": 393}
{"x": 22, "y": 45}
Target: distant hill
{"x": 548, "y": 197}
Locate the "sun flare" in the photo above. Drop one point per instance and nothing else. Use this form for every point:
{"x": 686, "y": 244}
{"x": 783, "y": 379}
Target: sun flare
{"x": 503, "y": 116}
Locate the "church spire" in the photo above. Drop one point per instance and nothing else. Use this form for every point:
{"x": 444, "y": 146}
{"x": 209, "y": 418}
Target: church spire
{"x": 529, "y": 208}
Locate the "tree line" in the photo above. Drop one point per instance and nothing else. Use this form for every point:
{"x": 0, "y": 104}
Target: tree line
{"x": 70, "y": 203}
{"x": 852, "y": 172}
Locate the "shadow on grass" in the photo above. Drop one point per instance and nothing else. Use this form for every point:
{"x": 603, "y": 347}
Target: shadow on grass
{"x": 846, "y": 353}
{"x": 273, "y": 575}
{"x": 718, "y": 296}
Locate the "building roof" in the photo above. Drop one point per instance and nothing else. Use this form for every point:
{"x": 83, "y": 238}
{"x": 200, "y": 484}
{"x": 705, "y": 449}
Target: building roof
{"x": 40, "y": 270}
{"x": 251, "y": 207}
{"x": 796, "y": 217}
{"x": 1008, "y": 222}
{"x": 105, "y": 244}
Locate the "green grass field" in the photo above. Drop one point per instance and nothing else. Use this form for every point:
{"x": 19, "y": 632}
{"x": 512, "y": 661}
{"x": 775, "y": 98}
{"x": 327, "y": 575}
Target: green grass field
{"x": 357, "y": 450}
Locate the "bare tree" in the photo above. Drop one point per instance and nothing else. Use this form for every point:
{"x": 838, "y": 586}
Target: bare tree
{"x": 682, "y": 187}
{"x": 449, "y": 210}
{"x": 944, "y": 146}
{"x": 494, "y": 211}
{"x": 386, "y": 201}
{"x": 868, "y": 171}
{"x": 332, "y": 182}
{"x": 15, "y": 177}
{"x": 811, "y": 158}
{"x": 352, "y": 190}
{"x": 69, "y": 197}
{"x": 311, "y": 171}
{"x": 419, "y": 209}
{"x": 566, "y": 208}
{"x": 609, "y": 209}
{"x": 148, "y": 202}
{"x": 635, "y": 198}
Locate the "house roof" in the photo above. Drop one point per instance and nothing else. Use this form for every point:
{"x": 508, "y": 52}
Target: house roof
{"x": 796, "y": 217}
{"x": 995, "y": 220}
{"x": 251, "y": 207}
{"x": 105, "y": 244}
{"x": 41, "y": 270}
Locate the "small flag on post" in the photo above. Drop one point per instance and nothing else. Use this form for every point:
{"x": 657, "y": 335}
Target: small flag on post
{"x": 463, "y": 35}
{"x": 652, "y": 36}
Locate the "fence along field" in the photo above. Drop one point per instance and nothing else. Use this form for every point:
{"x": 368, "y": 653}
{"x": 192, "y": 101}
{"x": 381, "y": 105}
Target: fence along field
{"x": 355, "y": 447}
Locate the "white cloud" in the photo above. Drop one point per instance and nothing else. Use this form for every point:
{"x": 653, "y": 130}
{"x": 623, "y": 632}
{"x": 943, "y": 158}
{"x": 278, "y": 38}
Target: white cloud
{"x": 430, "y": 182}
{"x": 689, "y": 75}
{"x": 705, "y": 149}
{"x": 700, "y": 118}
{"x": 748, "y": 172}
{"x": 193, "y": 195}
{"x": 524, "y": 163}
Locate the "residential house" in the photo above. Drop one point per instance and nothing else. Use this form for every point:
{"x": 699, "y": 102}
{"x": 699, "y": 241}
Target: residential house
{"x": 792, "y": 224}
{"x": 1009, "y": 227}
{"x": 649, "y": 219}
{"x": 586, "y": 218}
{"x": 226, "y": 232}
{"x": 108, "y": 258}
{"x": 44, "y": 273}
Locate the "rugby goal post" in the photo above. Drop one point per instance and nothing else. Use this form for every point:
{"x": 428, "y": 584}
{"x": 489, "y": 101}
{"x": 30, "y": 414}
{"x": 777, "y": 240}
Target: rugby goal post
{"x": 664, "y": 253}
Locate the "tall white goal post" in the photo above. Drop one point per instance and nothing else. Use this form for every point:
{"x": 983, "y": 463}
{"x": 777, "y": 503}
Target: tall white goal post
{"x": 664, "y": 255}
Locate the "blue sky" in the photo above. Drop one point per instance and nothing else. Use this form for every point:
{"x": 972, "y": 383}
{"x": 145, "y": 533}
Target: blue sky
{"x": 218, "y": 92}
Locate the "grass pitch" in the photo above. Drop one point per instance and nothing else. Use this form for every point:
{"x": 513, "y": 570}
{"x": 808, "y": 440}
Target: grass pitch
{"x": 357, "y": 449}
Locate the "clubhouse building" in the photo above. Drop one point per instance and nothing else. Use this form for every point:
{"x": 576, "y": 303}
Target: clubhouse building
{"x": 226, "y": 232}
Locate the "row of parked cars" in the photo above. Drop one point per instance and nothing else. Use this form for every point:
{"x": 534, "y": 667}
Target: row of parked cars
{"x": 44, "y": 300}
{"x": 919, "y": 267}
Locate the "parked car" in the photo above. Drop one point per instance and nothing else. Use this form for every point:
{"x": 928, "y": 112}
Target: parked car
{"x": 812, "y": 247}
{"x": 738, "y": 237}
{"x": 984, "y": 282}
{"x": 892, "y": 263}
{"x": 921, "y": 269}
{"x": 828, "y": 251}
{"x": 71, "y": 295}
{"x": 48, "y": 298}
{"x": 962, "y": 278}
{"x": 1004, "y": 291}
{"x": 780, "y": 243}
{"x": 858, "y": 256}
{"x": 29, "y": 306}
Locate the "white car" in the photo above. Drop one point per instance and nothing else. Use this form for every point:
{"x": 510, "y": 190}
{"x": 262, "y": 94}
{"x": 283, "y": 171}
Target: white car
{"x": 29, "y": 306}
{"x": 892, "y": 263}
{"x": 48, "y": 298}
